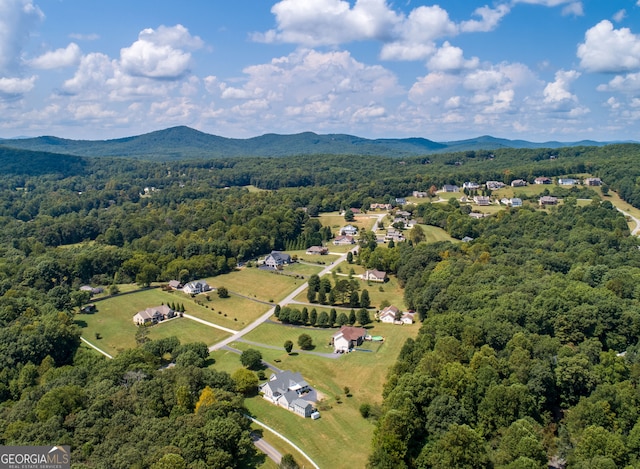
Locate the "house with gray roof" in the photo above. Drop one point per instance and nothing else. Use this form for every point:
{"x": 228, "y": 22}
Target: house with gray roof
{"x": 286, "y": 389}
{"x": 277, "y": 259}
{"x": 153, "y": 315}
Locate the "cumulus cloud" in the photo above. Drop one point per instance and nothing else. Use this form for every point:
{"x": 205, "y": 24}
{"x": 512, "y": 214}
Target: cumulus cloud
{"x": 312, "y": 86}
{"x": 450, "y": 58}
{"x": 558, "y": 90}
{"x": 330, "y": 22}
{"x": 16, "y": 86}
{"x": 161, "y": 53}
{"x": 626, "y": 84}
{"x": 619, "y": 15}
{"x": 490, "y": 17}
{"x": 58, "y": 58}
{"x": 17, "y": 19}
{"x": 609, "y": 50}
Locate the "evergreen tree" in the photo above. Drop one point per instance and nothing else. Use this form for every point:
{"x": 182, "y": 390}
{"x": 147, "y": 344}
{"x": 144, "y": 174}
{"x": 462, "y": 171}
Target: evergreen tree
{"x": 354, "y": 300}
{"x": 323, "y": 319}
{"x": 365, "y": 302}
{"x": 363, "y": 317}
{"x": 304, "y": 317}
{"x": 333, "y": 314}
{"x": 322, "y": 297}
{"x": 352, "y": 317}
{"x": 313, "y": 317}
{"x": 342, "y": 320}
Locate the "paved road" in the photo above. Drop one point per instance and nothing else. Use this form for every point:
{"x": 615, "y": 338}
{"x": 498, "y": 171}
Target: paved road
{"x": 636, "y": 230}
{"x": 281, "y": 436}
{"x": 266, "y": 448}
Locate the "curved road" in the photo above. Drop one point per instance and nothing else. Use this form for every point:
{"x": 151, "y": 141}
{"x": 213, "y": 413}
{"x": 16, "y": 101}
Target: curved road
{"x": 636, "y": 230}
{"x": 284, "y": 302}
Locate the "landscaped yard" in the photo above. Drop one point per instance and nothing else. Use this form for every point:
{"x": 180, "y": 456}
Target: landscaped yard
{"x": 233, "y": 312}
{"x": 113, "y": 321}
{"x": 341, "y": 434}
{"x": 303, "y": 269}
{"x": 256, "y": 283}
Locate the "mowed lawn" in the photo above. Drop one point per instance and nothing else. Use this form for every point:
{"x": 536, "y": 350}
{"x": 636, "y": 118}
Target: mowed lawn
{"x": 341, "y": 434}
{"x": 113, "y": 321}
{"x": 255, "y": 283}
{"x": 233, "y": 312}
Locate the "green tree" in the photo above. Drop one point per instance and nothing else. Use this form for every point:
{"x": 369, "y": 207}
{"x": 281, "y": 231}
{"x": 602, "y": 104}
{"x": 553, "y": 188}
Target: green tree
{"x": 323, "y": 319}
{"x": 348, "y": 215}
{"x": 350, "y": 257}
{"x": 288, "y": 462}
{"x": 313, "y": 317}
{"x": 352, "y": 317}
{"x": 342, "y": 319}
{"x": 365, "y": 301}
{"x": 460, "y": 447}
{"x": 354, "y": 299}
{"x": 305, "y": 342}
{"x": 251, "y": 359}
{"x": 288, "y": 346}
{"x": 363, "y": 317}
{"x": 223, "y": 292}
{"x": 170, "y": 461}
{"x": 246, "y": 381}
{"x": 333, "y": 315}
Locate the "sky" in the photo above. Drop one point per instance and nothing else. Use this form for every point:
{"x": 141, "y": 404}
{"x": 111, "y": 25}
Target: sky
{"x": 537, "y": 70}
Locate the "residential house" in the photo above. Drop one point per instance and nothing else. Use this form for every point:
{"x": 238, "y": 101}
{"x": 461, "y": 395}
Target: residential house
{"x": 513, "y": 202}
{"x": 285, "y": 389}
{"x": 380, "y": 206}
{"x": 467, "y": 239}
{"x": 420, "y": 194}
{"x": 403, "y": 214}
{"x": 341, "y": 240}
{"x": 374, "y": 276}
{"x": 355, "y": 211}
{"x": 401, "y": 200}
{"x": 88, "y": 309}
{"x": 494, "y": 185}
{"x": 388, "y": 314}
{"x": 196, "y": 287}
{"x": 547, "y": 200}
{"x": 92, "y": 290}
{"x": 593, "y": 181}
{"x": 175, "y": 284}
{"x": 153, "y": 315}
{"x": 348, "y": 337}
{"x": 482, "y": 200}
{"x": 568, "y": 181}
{"x": 542, "y": 180}
{"x": 478, "y": 215}
{"x": 394, "y": 235}
{"x": 450, "y": 188}
{"x": 349, "y": 230}
{"x": 472, "y": 186}
{"x": 277, "y": 259}
{"x": 317, "y": 250}
{"x": 518, "y": 183}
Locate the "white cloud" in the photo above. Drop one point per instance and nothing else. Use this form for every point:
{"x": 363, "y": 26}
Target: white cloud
{"x": 626, "y": 84}
{"x": 558, "y": 90}
{"x": 94, "y": 70}
{"x": 619, "y": 15}
{"x": 17, "y": 19}
{"x": 606, "y": 49}
{"x": 575, "y": 9}
{"x": 160, "y": 53}
{"x": 330, "y": 22}
{"x": 16, "y": 86}
{"x": 58, "y": 58}
{"x": 490, "y": 17}
{"x": 450, "y": 58}
{"x": 84, "y": 37}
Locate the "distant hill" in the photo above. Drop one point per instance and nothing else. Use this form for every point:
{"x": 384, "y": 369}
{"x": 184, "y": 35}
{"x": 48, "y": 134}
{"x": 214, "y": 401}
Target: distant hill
{"x": 185, "y": 143}
{"x": 34, "y": 163}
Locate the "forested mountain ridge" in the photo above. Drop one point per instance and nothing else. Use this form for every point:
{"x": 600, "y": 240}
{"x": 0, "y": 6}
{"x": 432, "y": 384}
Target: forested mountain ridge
{"x": 182, "y": 142}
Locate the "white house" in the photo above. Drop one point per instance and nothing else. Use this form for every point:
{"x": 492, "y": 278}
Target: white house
{"x": 518, "y": 183}
{"x": 471, "y": 185}
{"x": 341, "y": 240}
{"x": 568, "y": 181}
{"x": 349, "y": 230}
{"x": 482, "y": 200}
{"x": 388, "y": 314}
{"x": 277, "y": 259}
{"x": 347, "y": 338}
{"x": 285, "y": 389}
{"x": 195, "y": 288}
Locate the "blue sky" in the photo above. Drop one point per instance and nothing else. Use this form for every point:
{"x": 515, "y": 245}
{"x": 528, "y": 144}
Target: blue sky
{"x": 530, "y": 69}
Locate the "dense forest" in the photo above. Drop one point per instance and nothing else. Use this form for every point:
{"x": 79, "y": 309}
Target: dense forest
{"x": 521, "y": 355}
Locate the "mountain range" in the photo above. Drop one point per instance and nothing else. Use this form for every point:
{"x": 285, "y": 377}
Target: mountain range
{"x": 183, "y": 142}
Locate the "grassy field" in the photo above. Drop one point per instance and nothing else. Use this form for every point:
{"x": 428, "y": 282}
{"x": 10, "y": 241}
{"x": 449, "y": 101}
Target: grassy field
{"x": 435, "y": 234}
{"x": 341, "y": 434}
{"x": 256, "y": 283}
{"x": 303, "y": 269}
{"x": 234, "y": 312}
{"x": 615, "y": 199}
{"x": 336, "y": 221}
{"x": 113, "y": 321}
{"x": 314, "y": 258}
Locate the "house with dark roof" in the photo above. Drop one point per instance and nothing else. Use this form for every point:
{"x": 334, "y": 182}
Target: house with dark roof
{"x": 546, "y": 200}
{"x": 286, "y": 389}
{"x": 341, "y": 240}
{"x": 542, "y": 180}
{"x": 277, "y": 259}
{"x": 450, "y": 188}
